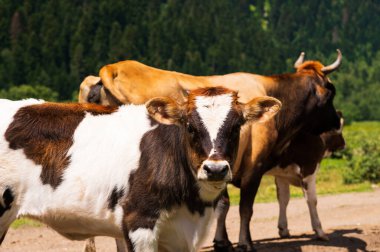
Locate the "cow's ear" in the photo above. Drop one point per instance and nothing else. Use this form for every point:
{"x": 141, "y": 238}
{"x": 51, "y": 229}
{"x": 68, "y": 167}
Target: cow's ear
{"x": 261, "y": 109}
{"x": 164, "y": 110}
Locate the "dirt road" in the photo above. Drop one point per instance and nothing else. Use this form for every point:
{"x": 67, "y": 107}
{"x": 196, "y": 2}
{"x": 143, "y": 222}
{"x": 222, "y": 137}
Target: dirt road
{"x": 352, "y": 221}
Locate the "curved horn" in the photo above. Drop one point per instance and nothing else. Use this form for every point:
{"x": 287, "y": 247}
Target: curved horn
{"x": 330, "y": 68}
{"x": 299, "y": 61}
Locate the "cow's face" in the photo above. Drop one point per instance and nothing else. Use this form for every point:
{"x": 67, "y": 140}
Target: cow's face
{"x": 334, "y": 139}
{"x": 323, "y": 116}
{"x": 319, "y": 106}
{"x": 210, "y": 121}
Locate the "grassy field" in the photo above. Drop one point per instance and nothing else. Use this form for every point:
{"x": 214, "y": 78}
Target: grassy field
{"x": 329, "y": 179}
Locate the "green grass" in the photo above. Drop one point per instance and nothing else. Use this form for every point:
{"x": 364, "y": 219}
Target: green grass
{"x": 25, "y": 222}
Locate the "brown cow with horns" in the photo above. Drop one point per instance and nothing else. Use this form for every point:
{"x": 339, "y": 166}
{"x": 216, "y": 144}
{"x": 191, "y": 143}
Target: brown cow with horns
{"x": 307, "y": 98}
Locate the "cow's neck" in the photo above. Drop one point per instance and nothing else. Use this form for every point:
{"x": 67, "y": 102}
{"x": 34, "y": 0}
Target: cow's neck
{"x": 165, "y": 169}
{"x": 289, "y": 120}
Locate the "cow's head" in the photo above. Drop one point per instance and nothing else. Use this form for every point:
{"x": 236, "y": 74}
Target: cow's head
{"x": 334, "y": 139}
{"x": 319, "y": 103}
{"x": 210, "y": 122}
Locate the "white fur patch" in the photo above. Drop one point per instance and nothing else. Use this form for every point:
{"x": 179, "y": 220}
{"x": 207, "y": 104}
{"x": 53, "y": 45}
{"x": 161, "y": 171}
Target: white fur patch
{"x": 144, "y": 239}
{"x": 181, "y": 230}
{"x": 105, "y": 151}
{"x": 213, "y": 111}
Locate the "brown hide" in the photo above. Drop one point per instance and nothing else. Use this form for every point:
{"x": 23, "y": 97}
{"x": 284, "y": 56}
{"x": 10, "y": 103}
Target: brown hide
{"x": 307, "y": 150}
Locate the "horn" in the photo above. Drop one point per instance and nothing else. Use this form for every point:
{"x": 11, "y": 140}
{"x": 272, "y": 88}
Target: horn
{"x": 299, "y": 61}
{"x": 330, "y": 68}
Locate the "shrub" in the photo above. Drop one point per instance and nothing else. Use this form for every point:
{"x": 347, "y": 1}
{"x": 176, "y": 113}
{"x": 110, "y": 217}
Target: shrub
{"x": 28, "y": 91}
{"x": 363, "y": 155}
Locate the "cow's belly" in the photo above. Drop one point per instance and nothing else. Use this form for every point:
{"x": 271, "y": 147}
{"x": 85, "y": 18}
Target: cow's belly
{"x": 183, "y": 231}
{"x": 81, "y": 224}
{"x": 72, "y": 211}
{"x": 292, "y": 173}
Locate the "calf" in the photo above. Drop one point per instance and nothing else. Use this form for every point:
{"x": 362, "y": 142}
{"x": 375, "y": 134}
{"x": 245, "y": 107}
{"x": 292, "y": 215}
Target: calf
{"x": 299, "y": 166}
{"x": 150, "y": 175}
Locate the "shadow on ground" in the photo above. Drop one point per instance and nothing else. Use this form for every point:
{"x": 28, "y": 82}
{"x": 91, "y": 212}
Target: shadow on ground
{"x": 340, "y": 238}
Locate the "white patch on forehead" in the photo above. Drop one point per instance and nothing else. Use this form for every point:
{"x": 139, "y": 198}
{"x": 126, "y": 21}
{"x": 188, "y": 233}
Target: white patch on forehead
{"x": 213, "y": 111}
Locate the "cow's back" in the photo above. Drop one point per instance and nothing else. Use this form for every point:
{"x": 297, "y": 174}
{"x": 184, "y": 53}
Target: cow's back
{"x": 9, "y": 108}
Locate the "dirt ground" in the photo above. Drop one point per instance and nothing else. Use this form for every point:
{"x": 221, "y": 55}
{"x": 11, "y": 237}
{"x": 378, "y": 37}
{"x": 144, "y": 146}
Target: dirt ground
{"x": 352, "y": 221}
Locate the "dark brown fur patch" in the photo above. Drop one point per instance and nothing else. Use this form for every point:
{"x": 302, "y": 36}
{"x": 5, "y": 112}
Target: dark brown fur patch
{"x": 306, "y": 151}
{"x": 114, "y": 198}
{"x": 164, "y": 180}
{"x": 94, "y": 94}
{"x": 7, "y": 199}
{"x": 213, "y": 91}
{"x": 45, "y": 133}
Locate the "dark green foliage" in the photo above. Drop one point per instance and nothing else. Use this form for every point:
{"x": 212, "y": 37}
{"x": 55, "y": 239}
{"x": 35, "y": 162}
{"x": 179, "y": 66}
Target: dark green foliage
{"x": 57, "y": 43}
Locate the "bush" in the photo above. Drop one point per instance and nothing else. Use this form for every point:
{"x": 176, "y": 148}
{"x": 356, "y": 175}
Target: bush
{"x": 364, "y": 164}
{"x": 363, "y": 155}
{"x": 27, "y": 91}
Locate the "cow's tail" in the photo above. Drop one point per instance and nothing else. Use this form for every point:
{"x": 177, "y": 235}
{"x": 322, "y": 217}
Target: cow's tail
{"x": 108, "y": 73}
{"x": 8, "y": 210}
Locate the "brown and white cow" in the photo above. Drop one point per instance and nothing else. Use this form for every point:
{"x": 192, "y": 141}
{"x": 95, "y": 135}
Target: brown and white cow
{"x": 298, "y": 166}
{"x": 307, "y": 98}
{"x": 148, "y": 174}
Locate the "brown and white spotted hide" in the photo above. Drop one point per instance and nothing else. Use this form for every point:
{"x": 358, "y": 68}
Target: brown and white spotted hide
{"x": 148, "y": 174}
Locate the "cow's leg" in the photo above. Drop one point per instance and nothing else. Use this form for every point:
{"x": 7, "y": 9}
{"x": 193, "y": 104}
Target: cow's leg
{"x": 142, "y": 240}
{"x": 8, "y": 210}
{"x": 120, "y": 245}
{"x": 3, "y": 236}
{"x": 140, "y": 231}
{"x": 221, "y": 242}
{"x": 283, "y": 196}
{"x": 90, "y": 245}
{"x": 310, "y": 194}
{"x": 249, "y": 187}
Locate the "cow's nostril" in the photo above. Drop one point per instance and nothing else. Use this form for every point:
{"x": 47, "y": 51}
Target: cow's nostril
{"x": 207, "y": 169}
{"x": 224, "y": 170}
{"x": 216, "y": 170}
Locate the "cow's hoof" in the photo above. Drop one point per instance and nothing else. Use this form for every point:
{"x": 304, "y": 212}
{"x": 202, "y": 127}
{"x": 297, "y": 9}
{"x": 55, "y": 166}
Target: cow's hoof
{"x": 323, "y": 237}
{"x": 223, "y": 246}
{"x": 284, "y": 233}
{"x": 245, "y": 248}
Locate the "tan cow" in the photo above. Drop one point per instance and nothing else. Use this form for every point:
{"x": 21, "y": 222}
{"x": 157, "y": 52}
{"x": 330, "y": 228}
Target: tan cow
{"x": 307, "y": 98}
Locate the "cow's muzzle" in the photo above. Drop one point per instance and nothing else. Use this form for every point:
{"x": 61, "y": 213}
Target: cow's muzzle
{"x": 215, "y": 171}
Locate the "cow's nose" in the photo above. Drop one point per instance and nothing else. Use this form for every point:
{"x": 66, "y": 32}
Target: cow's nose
{"x": 216, "y": 171}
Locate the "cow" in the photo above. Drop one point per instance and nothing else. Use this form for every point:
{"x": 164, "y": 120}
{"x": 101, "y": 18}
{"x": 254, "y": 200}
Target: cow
{"x": 298, "y": 166}
{"x": 149, "y": 174}
{"x": 307, "y": 97}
